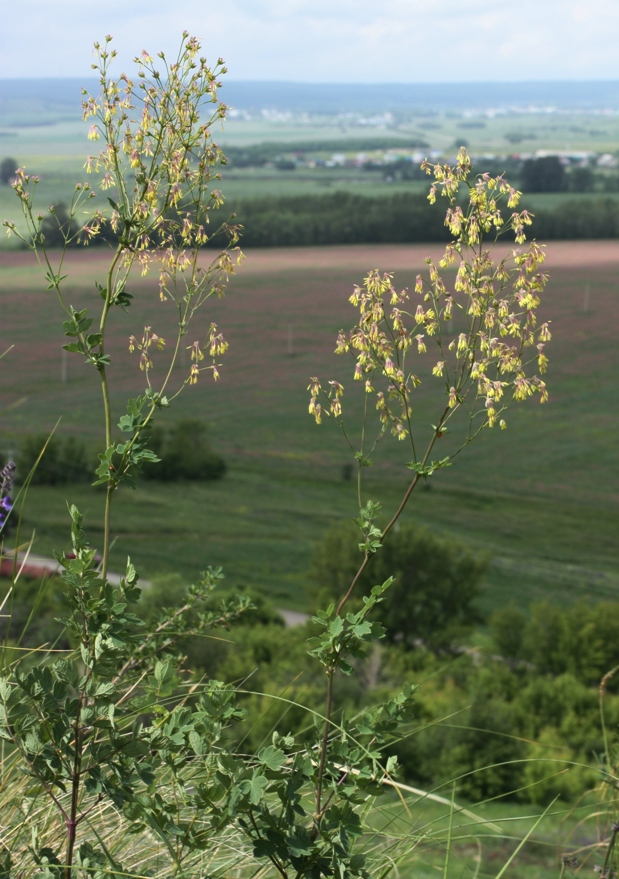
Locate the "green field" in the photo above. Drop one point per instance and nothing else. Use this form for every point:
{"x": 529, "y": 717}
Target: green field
{"x": 541, "y": 497}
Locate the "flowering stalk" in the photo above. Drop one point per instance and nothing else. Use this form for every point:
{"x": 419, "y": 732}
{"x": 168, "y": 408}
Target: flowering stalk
{"x": 156, "y": 171}
{"x": 401, "y": 335}
{"x": 7, "y": 475}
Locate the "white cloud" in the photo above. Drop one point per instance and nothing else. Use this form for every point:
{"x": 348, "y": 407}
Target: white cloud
{"x": 328, "y": 40}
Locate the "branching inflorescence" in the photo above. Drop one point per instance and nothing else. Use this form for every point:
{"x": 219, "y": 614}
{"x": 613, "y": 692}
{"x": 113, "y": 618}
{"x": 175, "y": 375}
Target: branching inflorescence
{"x": 156, "y": 170}
{"x": 401, "y": 335}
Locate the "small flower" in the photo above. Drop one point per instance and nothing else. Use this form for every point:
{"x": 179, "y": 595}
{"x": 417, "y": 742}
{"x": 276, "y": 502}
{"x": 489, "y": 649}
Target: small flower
{"x": 314, "y": 387}
{"x": 389, "y": 367}
{"x": 315, "y": 409}
{"x": 7, "y": 474}
{"x": 196, "y": 352}
{"x": 342, "y": 343}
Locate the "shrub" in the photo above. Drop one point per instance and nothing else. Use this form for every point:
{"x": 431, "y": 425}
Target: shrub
{"x": 7, "y": 170}
{"x": 507, "y": 627}
{"x": 436, "y": 581}
{"x": 543, "y": 175}
{"x": 62, "y": 462}
{"x": 185, "y": 454}
{"x": 580, "y": 640}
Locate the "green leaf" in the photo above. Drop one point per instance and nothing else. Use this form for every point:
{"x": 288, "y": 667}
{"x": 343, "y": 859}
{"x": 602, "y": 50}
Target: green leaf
{"x": 273, "y": 758}
{"x": 257, "y": 788}
{"x": 198, "y": 744}
{"x": 337, "y": 626}
{"x": 426, "y": 470}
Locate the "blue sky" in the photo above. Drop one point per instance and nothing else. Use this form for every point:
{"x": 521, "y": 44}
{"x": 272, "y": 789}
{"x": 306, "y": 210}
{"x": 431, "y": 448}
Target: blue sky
{"x": 377, "y": 41}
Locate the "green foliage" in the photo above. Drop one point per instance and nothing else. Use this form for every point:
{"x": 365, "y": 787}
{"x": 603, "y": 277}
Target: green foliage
{"x": 478, "y": 749}
{"x": 586, "y": 219}
{"x": 543, "y": 175}
{"x": 32, "y": 609}
{"x": 338, "y": 218}
{"x": 507, "y": 627}
{"x": 8, "y": 167}
{"x": 62, "y": 462}
{"x": 581, "y": 639}
{"x": 74, "y": 722}
{"x": 184, "y": 453}
{"x": 581, "y": 180}
{"x": 436, "y": 581}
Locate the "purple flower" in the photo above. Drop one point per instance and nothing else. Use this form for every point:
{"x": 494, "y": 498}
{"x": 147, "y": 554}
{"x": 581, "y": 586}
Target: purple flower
{"x": 7, "y": 475}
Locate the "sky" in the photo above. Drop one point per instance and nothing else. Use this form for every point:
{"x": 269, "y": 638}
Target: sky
{"x": 335, "y": 41}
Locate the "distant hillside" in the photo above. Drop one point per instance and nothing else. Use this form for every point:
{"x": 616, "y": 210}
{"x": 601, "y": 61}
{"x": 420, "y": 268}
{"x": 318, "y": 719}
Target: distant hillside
{"x": 34, "y": 101}
{"x": 25, "y": 102}
{"x": 321, "y": 98}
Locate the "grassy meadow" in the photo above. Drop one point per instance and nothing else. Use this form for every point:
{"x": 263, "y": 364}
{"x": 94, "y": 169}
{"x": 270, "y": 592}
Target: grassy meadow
{"x": 539, "y": 497}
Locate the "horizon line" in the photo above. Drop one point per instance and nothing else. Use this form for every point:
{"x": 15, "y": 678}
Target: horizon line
{"x": 446, "y": 82}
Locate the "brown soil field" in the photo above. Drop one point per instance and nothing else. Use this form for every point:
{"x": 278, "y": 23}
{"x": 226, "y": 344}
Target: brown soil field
{"x": 390, "y": 257}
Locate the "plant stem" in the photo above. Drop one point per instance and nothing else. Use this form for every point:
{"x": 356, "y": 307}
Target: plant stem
{"x": 325, "y": 741}
{"x": 330, "y": 672}
{"x": 107, "y": 409}
{"x": 75, "y": 788}
{"x": 107, "y": 521}
{"x": 609, "y": 850}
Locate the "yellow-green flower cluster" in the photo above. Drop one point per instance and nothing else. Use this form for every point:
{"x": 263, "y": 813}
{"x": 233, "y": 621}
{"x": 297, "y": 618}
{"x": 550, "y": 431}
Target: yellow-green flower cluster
{"x": 497, "y": 354}
{"x": 155, "y": 131}
{"x": 143, "y": 345}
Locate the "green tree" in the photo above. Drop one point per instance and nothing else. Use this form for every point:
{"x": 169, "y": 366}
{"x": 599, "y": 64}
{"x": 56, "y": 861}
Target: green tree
{"x": 507, "y": 627}
{"x": 543, "y": 175}
{"x": 185, "y": 453}
{"x": 7, "y": 170}
{"x": 61, "y": 462}
{"x": 436, "y": 581}
{"x": 581, "y": 180}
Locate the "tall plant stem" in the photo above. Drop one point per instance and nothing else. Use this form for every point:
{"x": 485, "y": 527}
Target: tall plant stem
{"x": 107, "y": 521}
{"x": 75, "y": 789}
{"x": 325, "y": 741}
{"x": 107, "y": 409}
{"x": 340, "y": 607}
